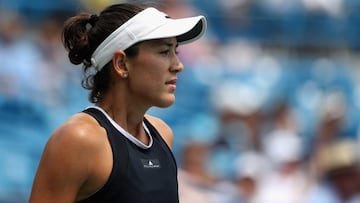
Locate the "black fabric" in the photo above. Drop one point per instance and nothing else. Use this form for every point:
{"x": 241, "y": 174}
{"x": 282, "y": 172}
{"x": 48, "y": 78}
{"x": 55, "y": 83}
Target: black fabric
{"x": 192, "y": 33}
{"x": 138, "y": 175}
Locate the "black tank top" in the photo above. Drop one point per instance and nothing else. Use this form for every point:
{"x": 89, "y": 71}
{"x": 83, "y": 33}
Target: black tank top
{"x": 138, "y": 175}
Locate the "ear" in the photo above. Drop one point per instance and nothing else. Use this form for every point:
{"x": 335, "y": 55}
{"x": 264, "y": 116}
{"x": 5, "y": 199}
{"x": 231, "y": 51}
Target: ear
{"x": 119, "y": 64}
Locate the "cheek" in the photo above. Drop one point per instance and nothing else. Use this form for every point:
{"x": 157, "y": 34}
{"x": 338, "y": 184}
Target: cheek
{"x": 150, "y": 69}
{"x": 148, "y": 75}
{"x": 153, "y": 93}
{"x": 147, "y": 81}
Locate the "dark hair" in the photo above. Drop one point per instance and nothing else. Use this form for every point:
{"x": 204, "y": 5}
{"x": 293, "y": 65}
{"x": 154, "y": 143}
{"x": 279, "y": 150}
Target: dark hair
{"x": 83, "y": 33}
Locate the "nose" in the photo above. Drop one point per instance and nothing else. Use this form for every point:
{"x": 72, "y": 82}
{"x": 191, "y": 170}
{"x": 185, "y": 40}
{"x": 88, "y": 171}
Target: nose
{"x": 177, "y": 66}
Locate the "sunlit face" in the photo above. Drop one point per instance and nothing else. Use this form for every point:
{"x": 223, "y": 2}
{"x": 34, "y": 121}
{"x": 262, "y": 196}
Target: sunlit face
{"x": 153, "y": 73}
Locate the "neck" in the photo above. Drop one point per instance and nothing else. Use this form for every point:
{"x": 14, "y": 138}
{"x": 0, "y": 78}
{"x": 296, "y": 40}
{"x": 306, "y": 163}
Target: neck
{"x": 125, "y": 113}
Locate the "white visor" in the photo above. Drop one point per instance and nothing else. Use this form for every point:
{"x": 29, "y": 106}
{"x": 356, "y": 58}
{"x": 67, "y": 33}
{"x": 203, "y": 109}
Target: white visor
{"x": 146, "y": 25}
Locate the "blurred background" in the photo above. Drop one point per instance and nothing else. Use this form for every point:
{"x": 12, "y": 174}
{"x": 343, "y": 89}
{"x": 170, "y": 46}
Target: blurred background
{"x": 267, "y": 108}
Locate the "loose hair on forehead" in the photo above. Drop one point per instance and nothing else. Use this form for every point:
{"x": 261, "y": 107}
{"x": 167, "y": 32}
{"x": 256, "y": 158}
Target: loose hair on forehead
{"x": 83, "y": 33}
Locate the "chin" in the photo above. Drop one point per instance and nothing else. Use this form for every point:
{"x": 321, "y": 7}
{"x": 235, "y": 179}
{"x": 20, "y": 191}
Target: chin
{"x": 166, "y": 102}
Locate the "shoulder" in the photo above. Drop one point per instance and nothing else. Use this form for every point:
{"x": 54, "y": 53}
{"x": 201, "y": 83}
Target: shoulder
{"x": 80, "y": 130}
{"x": 163, "y": 129}
{"x": 75, "y": 140}
{"x": 70, "y": 158}
{"x": 79, "y": 137}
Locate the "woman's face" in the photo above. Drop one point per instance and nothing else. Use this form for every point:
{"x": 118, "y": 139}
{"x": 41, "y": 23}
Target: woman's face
{"x": 153, "y": 72}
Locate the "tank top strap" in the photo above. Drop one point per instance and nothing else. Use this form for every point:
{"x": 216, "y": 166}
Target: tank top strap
{"x": 117, "y": 141}
{"x": 156, "y": 135}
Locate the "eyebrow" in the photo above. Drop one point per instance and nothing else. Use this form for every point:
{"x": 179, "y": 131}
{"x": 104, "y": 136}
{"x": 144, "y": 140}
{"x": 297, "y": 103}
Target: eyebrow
{"x": 165, "y": 42}
{"x": 169, "y": 44}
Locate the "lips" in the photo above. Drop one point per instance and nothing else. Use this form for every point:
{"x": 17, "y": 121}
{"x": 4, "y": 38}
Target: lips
{"x": 171, "y": 82}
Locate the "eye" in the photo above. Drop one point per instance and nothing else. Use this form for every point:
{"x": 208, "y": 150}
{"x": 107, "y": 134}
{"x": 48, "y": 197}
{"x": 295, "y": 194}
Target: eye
{"x": 165, "y": 52}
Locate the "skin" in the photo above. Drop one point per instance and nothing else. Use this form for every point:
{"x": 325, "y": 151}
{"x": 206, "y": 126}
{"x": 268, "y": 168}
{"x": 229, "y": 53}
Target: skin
{"x": 77, "y": 159}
